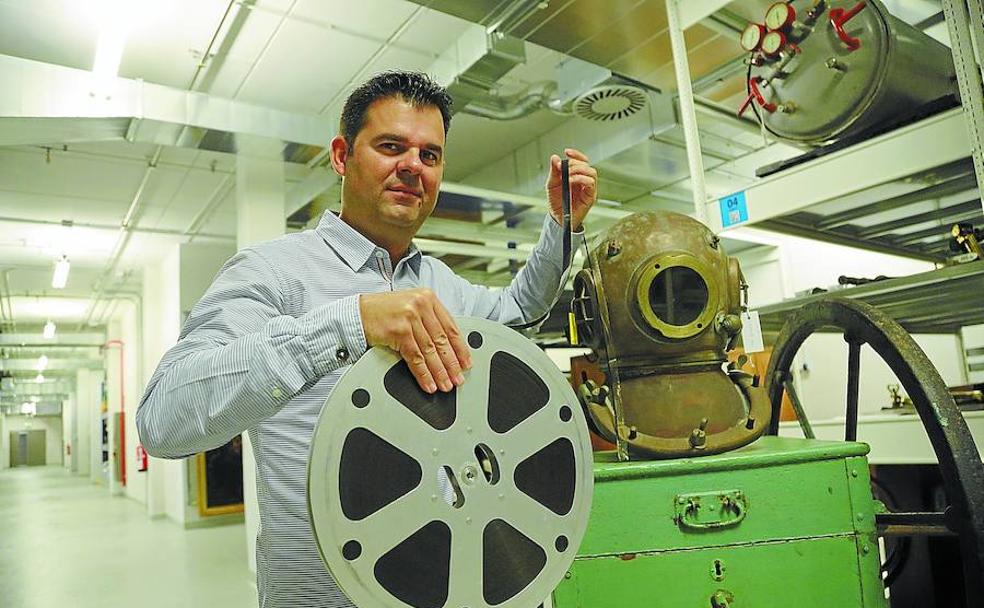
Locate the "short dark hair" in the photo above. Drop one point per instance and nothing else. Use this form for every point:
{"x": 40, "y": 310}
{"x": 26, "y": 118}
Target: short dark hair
{"x": 416, "y": 88}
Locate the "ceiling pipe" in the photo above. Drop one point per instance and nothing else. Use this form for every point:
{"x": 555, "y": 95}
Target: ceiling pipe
{"x": 206, "y": 212}
{"x": 206, "y": 58}
{"x": 8, "y": 317}
{"x": 512, "y": 107}
{"x": 357, "y": 77}
{"x": 123, "y": 239}
{"x": 130, "y": 216}
{"x": 133, "y": 229}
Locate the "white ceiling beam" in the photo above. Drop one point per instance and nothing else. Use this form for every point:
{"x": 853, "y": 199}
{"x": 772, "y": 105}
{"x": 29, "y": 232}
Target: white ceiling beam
{"x": 33, "y": 90}
{"x": 438, "y": 228}
{"x": 60, "y": 339}
{"x": 318, "y": 181}
{"x": 479, "y": 251}
{"x": 694, "y": 11}
{"x": 31, "y": 365}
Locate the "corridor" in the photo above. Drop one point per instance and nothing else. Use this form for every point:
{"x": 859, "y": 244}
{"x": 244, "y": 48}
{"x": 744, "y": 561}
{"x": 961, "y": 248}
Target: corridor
{"x": 65, "y": 542}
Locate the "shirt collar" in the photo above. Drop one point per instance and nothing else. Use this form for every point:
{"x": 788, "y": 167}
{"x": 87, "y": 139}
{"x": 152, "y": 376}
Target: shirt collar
{"x": 353, "y": 247}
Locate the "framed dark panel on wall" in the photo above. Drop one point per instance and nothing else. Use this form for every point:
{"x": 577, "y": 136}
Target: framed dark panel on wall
{"x": 220, "y": 479}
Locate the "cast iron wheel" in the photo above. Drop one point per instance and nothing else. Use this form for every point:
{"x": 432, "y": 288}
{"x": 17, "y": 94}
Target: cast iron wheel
{"x": 960, "y": 462}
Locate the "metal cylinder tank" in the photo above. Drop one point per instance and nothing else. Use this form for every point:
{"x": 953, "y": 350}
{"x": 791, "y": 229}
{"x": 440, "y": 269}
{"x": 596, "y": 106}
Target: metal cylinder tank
{"x": 821, "y": 71}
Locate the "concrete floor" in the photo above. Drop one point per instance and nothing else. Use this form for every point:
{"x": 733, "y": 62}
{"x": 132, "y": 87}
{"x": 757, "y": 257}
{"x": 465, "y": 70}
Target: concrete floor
{"x": 65, "y": 542}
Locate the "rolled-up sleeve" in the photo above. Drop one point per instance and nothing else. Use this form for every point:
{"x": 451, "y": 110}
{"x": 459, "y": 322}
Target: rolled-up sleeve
{"x": 532, "y": 291}
{"x": 240, "y": 358}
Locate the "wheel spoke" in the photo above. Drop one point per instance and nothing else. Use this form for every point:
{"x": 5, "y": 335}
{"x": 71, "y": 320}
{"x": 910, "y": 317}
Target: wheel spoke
{"x": 804, "y": 422}
{"x": 959, "y": 460}
{"x": 914, "y": 524}
{"x": 853, "y": 380}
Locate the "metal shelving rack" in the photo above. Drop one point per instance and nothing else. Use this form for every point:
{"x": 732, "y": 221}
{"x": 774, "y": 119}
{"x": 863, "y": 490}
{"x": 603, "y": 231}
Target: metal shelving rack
{"x": 898, "y": 192}
{"x": 934, "y": 302}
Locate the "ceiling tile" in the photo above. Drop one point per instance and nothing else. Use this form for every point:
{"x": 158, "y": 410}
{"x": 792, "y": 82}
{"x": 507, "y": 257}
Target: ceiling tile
{"x": 378, "y": 18}
{"x": 226, "y": 73}
{"x": 433, "y": 32}
{"x": 305, "y": 66}
{"x": 53, "y": 31}
{"x": 166, "y": 45}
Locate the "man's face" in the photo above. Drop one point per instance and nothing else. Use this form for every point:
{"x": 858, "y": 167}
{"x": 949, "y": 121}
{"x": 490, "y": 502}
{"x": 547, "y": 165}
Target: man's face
{"x": 393, "y": 169}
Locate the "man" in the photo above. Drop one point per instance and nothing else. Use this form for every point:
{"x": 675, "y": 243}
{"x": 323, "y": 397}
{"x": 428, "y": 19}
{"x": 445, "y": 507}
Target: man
{"x": 267, "y": 342}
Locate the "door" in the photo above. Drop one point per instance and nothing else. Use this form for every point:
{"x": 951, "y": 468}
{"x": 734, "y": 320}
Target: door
{"x": 36, "y": 449}
{"x": 18, "y": 448}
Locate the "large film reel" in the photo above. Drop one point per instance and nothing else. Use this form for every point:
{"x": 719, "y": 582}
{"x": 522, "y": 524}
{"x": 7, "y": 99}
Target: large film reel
{"x": 477, "y": 497}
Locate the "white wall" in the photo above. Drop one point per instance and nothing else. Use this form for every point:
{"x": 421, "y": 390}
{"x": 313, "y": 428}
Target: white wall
{"x": 4, "y": 444}
{"x": 973, "y": 340}
{"x": 115, "y": 365}
{"x": 789, "y": 265}
{"x": 86, "y": 418}
{"x": 69, "y": 435}
{"x": 762, "y": 268}
{"x": 170, "y": 288}
{"x": 823, "y": 384}
{"x": 123, "y": 358}
{"x": 52, "y": 427}
{"x": 199, "y": 263}
{"x": 161, "y": 325}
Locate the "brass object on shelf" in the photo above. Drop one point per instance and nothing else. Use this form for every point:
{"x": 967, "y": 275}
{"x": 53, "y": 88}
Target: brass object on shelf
{"x": 659, "y": 303}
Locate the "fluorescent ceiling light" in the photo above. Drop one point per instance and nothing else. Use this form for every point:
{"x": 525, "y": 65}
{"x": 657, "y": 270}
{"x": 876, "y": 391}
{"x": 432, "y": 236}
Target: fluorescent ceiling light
{"x": 42, "y": 363}
{"x": 39, "y": 378}
{"x": 49, "y": 330}
{"x": 29, "y": 409}
{"x": 109, "y": 53}
{"x": 60, "y": 277}
{"x": 116, "y": 19}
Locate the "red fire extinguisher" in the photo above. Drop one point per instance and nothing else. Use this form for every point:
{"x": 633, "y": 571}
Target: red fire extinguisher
{"x": 141, "y": 458}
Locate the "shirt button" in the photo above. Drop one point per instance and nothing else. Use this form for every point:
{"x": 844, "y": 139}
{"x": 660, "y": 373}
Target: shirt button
{"x": 342, "y": 354}
{"x": 276, "y": 393}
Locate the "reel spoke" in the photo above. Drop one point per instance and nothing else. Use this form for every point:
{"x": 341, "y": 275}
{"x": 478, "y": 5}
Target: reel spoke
{"x": 400, "y": 519}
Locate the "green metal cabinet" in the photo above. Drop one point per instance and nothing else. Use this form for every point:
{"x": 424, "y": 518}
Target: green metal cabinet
{"x": 780, "y": 522}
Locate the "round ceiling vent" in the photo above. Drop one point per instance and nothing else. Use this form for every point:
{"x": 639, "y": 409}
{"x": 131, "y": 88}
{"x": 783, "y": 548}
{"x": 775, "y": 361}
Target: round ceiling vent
{"x": 610, "y": 102}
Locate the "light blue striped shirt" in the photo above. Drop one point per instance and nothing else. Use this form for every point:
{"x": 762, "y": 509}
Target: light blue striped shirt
{"x": 264, "y": 347}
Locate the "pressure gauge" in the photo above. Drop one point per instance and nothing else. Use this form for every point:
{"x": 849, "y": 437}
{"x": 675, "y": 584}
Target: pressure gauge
{"x": 772, "y": 43}
{"x": 751, "y": 37}
{"x": 779, "y": 16}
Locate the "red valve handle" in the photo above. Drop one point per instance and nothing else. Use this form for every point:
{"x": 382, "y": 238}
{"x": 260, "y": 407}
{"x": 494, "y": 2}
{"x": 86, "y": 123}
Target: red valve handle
{"x": 838, "y": 17}
{"x": 756, "y": 94}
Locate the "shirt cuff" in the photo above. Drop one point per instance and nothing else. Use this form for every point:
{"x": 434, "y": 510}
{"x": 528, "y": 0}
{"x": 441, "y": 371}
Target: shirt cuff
{"x": 333, "y": 335}
{"x": 551, "y": 241}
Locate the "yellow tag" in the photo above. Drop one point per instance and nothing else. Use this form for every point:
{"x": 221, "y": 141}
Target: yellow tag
{"x": 573, "y": 327}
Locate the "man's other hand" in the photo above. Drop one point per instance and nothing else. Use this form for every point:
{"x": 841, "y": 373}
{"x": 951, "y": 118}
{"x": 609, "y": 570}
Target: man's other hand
{"x": 584, "y": 187}
{"x": 415, "y": 324}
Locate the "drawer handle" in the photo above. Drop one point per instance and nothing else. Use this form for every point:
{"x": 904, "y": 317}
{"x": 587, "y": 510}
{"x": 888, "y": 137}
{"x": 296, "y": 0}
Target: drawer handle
{"x": 710, "y": 510}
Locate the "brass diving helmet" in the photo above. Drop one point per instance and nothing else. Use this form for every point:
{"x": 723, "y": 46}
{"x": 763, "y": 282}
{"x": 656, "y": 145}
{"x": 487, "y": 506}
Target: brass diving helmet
{"x": 659, "y": 304}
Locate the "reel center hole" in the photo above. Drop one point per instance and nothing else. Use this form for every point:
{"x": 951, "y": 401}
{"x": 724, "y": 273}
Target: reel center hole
{"x": 487, "y": 463}
{"x": 449, "y": 484}
{"x": 448, "y": 487}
